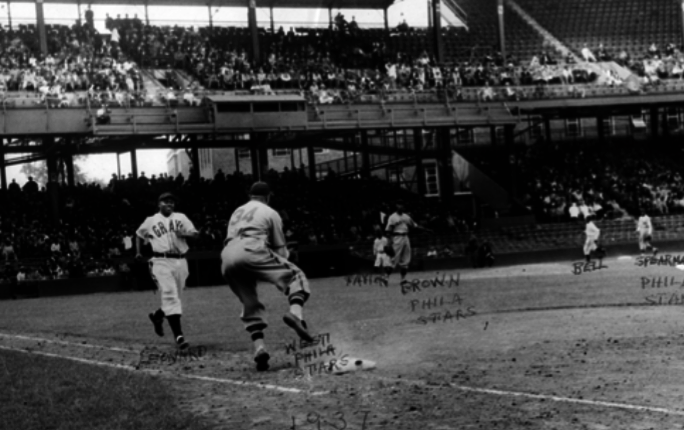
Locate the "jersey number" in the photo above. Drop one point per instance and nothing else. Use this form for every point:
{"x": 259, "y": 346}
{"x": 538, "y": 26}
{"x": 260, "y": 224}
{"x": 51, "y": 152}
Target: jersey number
{"x": 241, "y": 216}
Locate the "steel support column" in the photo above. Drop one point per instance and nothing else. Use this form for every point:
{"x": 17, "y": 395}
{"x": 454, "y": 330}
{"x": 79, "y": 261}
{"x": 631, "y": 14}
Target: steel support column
{"x": 3, "y": 171}
{"x": 600, "y": 128}
{"x": 509, "y": 139}
{"x": 40, "y": 21}
{"x": 365, "y": 156}
{"x": 437, "y": 30}
{"x": 134, "y": 163}
{"x": 69, "y": 163}
{"x": 420, "y": 171}
{"x": 195, "y": 168}
{"x": 446, "y": 168}
{"x": 502, "y": 30}
{"x": 311, "y": 158}
{"x": 52, "y": 185}
{"x": 254, "y": 158}
{"x": 254, "y": 29}
{"x": 547, "y": 129}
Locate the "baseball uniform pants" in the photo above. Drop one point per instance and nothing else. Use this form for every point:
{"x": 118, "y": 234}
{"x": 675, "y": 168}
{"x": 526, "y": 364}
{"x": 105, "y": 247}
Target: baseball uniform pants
{"x": 402, "y": 250}
{"x": 644, "y": 241}
{"x": 170, "y": 275}
{"x": 245, "y": 261}
{"x": 383, "y": 260}
{"x": 590, "y": 245}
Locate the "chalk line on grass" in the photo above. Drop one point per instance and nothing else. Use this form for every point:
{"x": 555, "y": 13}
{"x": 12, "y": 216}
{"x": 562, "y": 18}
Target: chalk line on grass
{"x": 63, "y": 342}
{"x": 543, "y": 397}
{"x": 168, "y": 374}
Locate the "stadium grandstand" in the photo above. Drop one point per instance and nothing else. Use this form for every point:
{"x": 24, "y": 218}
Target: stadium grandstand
{"x": 490, "y": 130}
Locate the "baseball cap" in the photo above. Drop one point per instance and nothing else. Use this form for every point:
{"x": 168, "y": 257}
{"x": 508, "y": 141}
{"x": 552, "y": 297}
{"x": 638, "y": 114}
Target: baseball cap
{"x": 260, "y": 189}
{"x": 167, "y": 196}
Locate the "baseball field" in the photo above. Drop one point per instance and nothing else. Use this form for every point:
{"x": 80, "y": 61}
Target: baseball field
{"x": 536, "y": 346}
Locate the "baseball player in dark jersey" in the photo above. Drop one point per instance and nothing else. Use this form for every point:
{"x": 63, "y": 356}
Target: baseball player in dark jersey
{"x": 166, "y": 232}
{"x": 256, "y": 250}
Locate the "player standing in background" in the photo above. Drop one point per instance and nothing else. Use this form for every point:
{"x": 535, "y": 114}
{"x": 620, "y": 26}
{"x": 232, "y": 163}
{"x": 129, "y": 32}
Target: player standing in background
{"x": 382, "y": 258}
{"x": 167, "y": 231}
{"x": 398, "y": 225}
{"x": 645, "y": 230}
{"x": 593, "y": 234}
{"x": 256, "y": 250}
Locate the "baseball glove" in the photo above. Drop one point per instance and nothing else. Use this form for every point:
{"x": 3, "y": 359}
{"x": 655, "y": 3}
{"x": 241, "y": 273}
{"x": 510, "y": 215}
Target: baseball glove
{"x": 389, "y": 250}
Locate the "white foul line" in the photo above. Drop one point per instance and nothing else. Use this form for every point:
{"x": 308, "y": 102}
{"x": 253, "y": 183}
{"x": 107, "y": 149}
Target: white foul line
{"x": 569, "y": 400}
{"x": 543, "y": 397}
{"x": 63, "y": 342}
{"x": 163, "y": 373}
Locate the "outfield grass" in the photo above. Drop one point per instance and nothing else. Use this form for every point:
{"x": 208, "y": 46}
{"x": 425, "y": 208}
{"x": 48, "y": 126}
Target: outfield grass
{"x": 47, "y": 393}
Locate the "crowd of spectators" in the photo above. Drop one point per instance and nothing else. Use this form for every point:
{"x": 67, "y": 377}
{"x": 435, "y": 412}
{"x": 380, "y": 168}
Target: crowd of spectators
{"x": 611, "y": 183}
{"x": 80, "y": 66}
{"x": 334, "y": 65}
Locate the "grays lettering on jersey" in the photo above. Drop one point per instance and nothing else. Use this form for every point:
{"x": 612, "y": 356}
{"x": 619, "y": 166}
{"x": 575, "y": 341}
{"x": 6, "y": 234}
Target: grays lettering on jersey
{"x": 160, "y": 231}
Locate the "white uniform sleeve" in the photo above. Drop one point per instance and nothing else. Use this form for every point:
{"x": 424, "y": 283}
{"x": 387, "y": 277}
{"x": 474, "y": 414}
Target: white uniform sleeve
{"x": 144, "y": 230}
{"x": 391, "y": 222}
{"x": 188, "y": 226}
{"x": 277, "y": 238}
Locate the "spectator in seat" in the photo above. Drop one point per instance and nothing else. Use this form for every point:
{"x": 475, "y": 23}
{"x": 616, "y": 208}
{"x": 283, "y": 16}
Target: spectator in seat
{"x": 189, "y": 98}
{"x": 587, "y": 54}
{"x": 574, "y": 211}
{"x": 653, "y": 50}
{"x": 471, "y": 251}
{"x": 487, "y": 93}
{"x": 13, "y": 187}
{"x": 21, "y": 275}
{"x": 102, "y": 115}
{"x": 31, "y": 186}
{"x": 602, "y": 54}
{"x": 353, "y": 25}
{"x": 403, "y": 27}
{"x": 171, "y": 97}
{"x": 485, "y": 255}
{"x": 8, "y": 252}
{"x": 510, "y": 93}
{"x": 584, "y": 209}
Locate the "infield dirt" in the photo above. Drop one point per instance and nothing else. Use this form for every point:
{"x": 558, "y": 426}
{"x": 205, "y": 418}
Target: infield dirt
{"x": 533, "y": 346}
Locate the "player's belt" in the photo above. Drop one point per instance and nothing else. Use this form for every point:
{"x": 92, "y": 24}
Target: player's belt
{"x": 167, "y": 255}
{"x": 400, "y": 234}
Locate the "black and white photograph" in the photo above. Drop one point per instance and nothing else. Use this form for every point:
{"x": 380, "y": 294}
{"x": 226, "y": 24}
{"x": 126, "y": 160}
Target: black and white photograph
{"x": 342, "y": 215}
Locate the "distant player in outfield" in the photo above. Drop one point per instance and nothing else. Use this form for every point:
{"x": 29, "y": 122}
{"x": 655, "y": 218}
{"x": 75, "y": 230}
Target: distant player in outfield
{"x": 256, "y": 250}
{"x": 398, "y": 225}
{"x": 645, "y": 230}
{"x": 592, "y": 232}
{"x": 167, "y": 231}
{"x": 383, "y": 260}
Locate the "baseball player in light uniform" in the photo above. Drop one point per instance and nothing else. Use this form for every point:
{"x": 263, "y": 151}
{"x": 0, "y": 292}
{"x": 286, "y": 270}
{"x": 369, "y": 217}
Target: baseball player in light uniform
{"x": 167, "y": 232}
{"x": 398, "y": 225}
{"x": 256, "y": 250}
{"x": 592, "y": 232}
{"x": 382, "y": 259}
{"x": 645, "y": 230}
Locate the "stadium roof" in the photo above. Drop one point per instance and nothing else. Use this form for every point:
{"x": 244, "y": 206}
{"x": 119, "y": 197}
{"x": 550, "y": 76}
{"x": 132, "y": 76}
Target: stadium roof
{"x": 285, "y": 4}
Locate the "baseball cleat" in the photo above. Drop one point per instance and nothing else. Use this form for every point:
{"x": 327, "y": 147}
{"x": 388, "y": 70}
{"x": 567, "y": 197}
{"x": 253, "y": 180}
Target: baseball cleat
{"x": 182, "y": 343}
{"x": 261, "y": 358}
{"x": 158, "y": 324}
{"x": 299, "y": 326}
